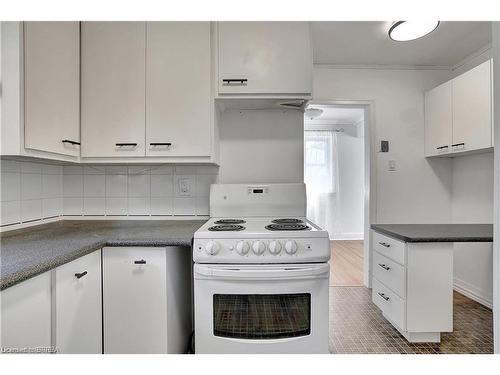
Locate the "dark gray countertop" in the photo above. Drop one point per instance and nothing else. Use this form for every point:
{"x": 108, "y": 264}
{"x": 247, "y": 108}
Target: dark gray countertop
{"x": 437, "y": 232}
{"x": 28, "y": 252}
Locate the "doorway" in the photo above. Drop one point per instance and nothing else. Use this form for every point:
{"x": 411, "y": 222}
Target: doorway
{"x": 334, "y": 173}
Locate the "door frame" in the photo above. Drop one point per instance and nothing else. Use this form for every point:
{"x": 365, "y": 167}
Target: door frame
{"x": 370, "y": 180}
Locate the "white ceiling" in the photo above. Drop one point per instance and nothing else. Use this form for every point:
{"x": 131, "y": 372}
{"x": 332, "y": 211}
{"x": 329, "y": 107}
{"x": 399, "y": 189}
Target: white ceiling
{"x": 367, "y": 43}
{"x": 336, "y": 116}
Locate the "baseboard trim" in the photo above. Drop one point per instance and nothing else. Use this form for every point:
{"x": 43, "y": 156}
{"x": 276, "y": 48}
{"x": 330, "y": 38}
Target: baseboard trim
{"x": 346, "y": 236}
{"x": 467, "y": 290}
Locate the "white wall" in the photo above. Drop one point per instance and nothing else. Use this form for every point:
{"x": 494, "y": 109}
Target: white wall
{"x": 261, "y": 146}
{"x": 496, "y": 258}
{"x": 419, "y": 191}
{"x": 472, "y": 202}
{"x": 351, "y": 186}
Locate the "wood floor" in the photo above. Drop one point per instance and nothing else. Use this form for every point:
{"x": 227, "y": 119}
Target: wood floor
{"x": 346, "y": 263}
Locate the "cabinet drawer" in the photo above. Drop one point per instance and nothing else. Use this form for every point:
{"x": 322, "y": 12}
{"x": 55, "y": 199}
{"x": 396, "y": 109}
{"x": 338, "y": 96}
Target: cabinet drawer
{"x": 390, "y": 273}
{"x": 389, "y": 247}
{"x": 393, "y": 307}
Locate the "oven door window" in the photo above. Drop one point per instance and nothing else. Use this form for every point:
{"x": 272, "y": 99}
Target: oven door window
{"x": 262, "y": 316}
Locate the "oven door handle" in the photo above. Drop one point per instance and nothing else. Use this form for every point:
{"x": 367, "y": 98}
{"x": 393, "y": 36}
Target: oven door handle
{"x": 263, "y": 273}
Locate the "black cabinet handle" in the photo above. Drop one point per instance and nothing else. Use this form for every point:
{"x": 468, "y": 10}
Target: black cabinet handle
{"x": 126, "y": 144}
{"x": 441, "y": 147}
{"x": 458, "y": 144}
{"x": 168, "y": 144}
{"x": 384, "y": 296}
{"x": 234, "y": 81}
{"x": 142, "y": 261}
{"x": 70, "y": 142}
{"x": 384, "y": 244}
{"x": 80, "y": 275}
{"x": 385, "y": 267}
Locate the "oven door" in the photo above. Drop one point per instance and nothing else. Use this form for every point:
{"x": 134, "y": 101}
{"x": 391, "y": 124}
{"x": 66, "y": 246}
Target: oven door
{"x": 261, "y": 308}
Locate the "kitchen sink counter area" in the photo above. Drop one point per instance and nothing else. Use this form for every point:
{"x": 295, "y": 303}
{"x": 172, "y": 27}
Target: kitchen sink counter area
{"x": 437, "y": 232}
{"x": 31, "y": 251}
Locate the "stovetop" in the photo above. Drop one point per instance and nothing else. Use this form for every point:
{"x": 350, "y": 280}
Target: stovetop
{"x": 268, "y": 227}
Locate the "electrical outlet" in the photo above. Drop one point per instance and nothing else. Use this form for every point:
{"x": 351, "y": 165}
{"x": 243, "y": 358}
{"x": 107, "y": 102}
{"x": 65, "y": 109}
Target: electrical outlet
{"x": 392, "y": 165}
{"x": 185, "y": 187}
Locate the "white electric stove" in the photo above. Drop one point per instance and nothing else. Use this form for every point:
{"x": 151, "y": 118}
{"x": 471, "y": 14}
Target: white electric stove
{"x": 261, "y": 273}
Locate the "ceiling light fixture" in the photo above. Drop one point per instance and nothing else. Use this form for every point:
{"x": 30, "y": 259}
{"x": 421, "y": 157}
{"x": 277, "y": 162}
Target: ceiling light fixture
{"x": 312, "y": 113}
{"x": 402, "y": 31}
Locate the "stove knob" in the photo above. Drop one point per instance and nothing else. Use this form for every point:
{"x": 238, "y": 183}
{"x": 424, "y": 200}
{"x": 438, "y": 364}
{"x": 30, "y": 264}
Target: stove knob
{"x": 258, "y": 247}
{"x": 242, "y": 247}
{"x": 291, "y": 247}
{"x": 212, "y": 247}
{"x": 274, "y": 247}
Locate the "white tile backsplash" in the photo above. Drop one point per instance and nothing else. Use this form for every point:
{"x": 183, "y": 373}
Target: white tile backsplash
{"x": 11, "y": 186}
{"x": 32, "y": 191}
{"x": 162, "y": 185}
{"x": 73, "y": 206}
{"x": 51, "y": 186}
{"x": 138, "y": 206}
{"x": 31, "y": 186}
{"x": 10, "y": 213}
{"x": 94, "y": 206}
{"x": 72, "y": 185}
{"x": 31, "y": 209}
{"x": 116, "y": 206}
{"x": 94, "y": 185}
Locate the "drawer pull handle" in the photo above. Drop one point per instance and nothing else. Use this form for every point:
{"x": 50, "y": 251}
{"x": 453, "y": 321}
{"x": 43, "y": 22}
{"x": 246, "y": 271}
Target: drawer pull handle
{"x": 126, "y": 144}
{"x": 441, "y": 147}
{"x": 142, "y": 261}
{"x": 80, "y": 275}
{"x": 155, "y": 144}
{"x": 384, "y": 296}
{"x": 235, "y": 82}
{"x": 384, "y": 244}
{"x": 70, "y": 142}
{"x": 458, "y": 144}
{"x": 385, "y": 267}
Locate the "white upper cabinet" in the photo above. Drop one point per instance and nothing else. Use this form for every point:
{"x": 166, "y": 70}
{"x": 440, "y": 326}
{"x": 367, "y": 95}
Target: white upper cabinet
{"x": 458, "y": 114}
{"x": 472, "y": 125}
{"x": 438, "y": 120}
{"x": 269, "y": 58}
{"x": 179, "y": 118}
{"x": 113, "y": 88}
{"x": 78, "y": 306}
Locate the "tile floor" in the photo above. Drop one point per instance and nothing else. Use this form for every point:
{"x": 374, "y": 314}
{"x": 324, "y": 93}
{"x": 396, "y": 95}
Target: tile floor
{"x": 357, "y": 326}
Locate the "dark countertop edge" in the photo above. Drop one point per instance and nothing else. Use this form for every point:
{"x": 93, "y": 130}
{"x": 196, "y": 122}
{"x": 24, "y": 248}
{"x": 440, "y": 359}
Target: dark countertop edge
{"x": 427, "y": 239}
{"x": 28, "y": 273}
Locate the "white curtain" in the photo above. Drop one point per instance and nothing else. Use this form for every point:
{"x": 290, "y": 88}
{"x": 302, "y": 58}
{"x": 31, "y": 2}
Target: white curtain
{"x": 321, "y": 177}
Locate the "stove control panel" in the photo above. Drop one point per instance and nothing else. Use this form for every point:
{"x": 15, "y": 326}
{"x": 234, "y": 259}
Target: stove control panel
{"x": 280, "y": 250}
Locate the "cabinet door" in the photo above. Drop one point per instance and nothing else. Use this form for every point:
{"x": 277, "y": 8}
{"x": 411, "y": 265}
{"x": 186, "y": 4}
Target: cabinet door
{"x": 472, "y": 123}
{"x": 273, "y": 58}
{"x": 135, "y": 300}
{"x": 78, "y": 305}
{"x": 113, "y": 88}
{"x": 178, "y": 100}
{"x": 52, "y": 87}
{"x": 438, "y": 120}
{"x": 26, "y": 314}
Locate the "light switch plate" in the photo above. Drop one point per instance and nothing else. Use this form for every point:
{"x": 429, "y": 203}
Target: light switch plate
{"x": 392, "y": 165}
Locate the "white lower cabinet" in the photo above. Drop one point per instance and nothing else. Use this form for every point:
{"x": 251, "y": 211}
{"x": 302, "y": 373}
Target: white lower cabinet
{"x": 26, "y": 315}
{"x": 413, "y": 286}
{"x": 137, "y": 315}
{"x": 78, "y": 307}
